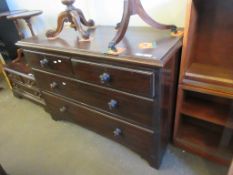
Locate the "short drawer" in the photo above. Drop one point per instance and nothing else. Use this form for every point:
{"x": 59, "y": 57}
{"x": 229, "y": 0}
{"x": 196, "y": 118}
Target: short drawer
{"x": 14, "y": 77}
{"x": 128, "y": 80}
{"x": 26, "y": 88}
{"x": 29, "y": 82}
{"x": 22, "y": 78}
{"x": 121, "y": 105}
{"x": 49, "y": 62}
{"x": 136, "y": 138}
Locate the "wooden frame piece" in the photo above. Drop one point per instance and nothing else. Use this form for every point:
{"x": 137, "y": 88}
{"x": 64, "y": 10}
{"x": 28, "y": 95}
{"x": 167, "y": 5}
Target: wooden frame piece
{"x": 26, "y": 16}
{"x": 77, "y": 19}
{"x": 2, "y": 63}
{"x": 133, "y": 7}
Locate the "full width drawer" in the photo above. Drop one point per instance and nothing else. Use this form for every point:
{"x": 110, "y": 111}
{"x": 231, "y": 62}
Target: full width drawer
{"x": 125, "y": 106}
{"x": 137, "y": 138}
{"x": 124, "y": 79}
{"x": 49, "y": 62}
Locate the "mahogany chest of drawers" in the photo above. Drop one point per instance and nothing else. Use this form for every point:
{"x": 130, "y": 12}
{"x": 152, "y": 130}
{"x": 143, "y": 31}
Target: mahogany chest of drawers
{"x": 128, "y": 98}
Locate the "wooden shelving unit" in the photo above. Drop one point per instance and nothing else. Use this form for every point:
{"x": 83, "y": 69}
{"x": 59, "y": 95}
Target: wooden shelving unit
{"x": 195, "y": 137}
{"x": 204, "y": 112}
{"x": 210, "y": 74}
{"x": 206, "y": 108}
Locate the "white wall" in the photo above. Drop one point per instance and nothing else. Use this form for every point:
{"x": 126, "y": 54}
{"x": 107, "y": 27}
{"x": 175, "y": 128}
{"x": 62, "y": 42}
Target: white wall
{"x": 104, "y": 12}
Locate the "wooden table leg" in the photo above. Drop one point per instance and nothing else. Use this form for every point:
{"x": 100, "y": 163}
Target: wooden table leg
{"x": 21, "y": 35}
{"x": 89, "y": 23}
{"x": 63, "y": 16}
{"x": 133, "y": 7}
{"x": 28, "y": 21}
{"x": 121, "y": 27}
{"x": 73, "y": 15}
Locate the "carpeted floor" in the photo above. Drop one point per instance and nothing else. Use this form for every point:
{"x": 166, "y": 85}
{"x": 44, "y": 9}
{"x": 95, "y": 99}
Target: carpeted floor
{"x": 31, "y": 143}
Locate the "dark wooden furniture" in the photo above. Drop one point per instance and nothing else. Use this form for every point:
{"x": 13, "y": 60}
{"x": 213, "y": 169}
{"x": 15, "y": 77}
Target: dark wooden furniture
{"x": 128, "y": 98}
{"x": 19, "y": 72}
{"x": 8, "y": 33}
{"x": 133, "y": 7}
{"x": 77, "y": 19}
{"x": 204, "y": 113}
{"x": 15, "y": 23}
{"x": 2, "y": 171}
{"x": 26, "y": 16}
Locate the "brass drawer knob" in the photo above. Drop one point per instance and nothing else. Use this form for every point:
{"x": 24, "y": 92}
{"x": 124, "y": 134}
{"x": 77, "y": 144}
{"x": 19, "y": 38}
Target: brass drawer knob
{"x": 44, "y": 62}
{"x": 53, "y": 85}
{"x": 112, "y": 104}
{"x": 63, "y": 109}
{"x": 117, "y": 132}
{"x": 105, "y": 78}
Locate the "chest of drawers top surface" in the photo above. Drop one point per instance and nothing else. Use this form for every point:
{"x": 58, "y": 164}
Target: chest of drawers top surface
{"x": 68, "y": 43}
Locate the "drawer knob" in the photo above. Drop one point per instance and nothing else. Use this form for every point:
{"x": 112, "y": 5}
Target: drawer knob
{"x": 53, "y": 85}
{"x": 63, "y": 109}
{"x": 112, "y": 104}
{"x": 38, "y": 94}
{"x": 30, "y": 83}
{"x": 105, "y": 78}
{"x": 117, "y": 132}
{"x": 44, "y": 62}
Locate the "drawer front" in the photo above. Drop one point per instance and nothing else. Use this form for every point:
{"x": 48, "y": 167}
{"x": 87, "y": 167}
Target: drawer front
{"x": 25, "y": 88}
{"x": 122, "y": 105}
{"x": 124, "y": 79}
{"x": 29, "y": 82}
{"x": 20, "y": 79}
{"x": 15, "y": 78}
{"x": 49, "y": 62}
{"x": 138, "y": 139}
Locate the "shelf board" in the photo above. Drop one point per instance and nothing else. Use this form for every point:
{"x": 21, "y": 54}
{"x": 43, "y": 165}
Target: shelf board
{"x": 208, "y": 111}
{"x": 204, "y": 142}
{"x": 206, "y": 88}
{"x": 210, "y": 74}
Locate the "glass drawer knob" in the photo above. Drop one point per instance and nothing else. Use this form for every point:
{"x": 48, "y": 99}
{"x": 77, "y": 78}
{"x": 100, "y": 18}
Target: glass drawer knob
{"x": 117, "y": 132}
{"x": 105, "y": 78}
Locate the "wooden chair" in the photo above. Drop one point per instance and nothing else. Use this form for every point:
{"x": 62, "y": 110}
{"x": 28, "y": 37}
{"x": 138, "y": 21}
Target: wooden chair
{"x": 2, "y": 72}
